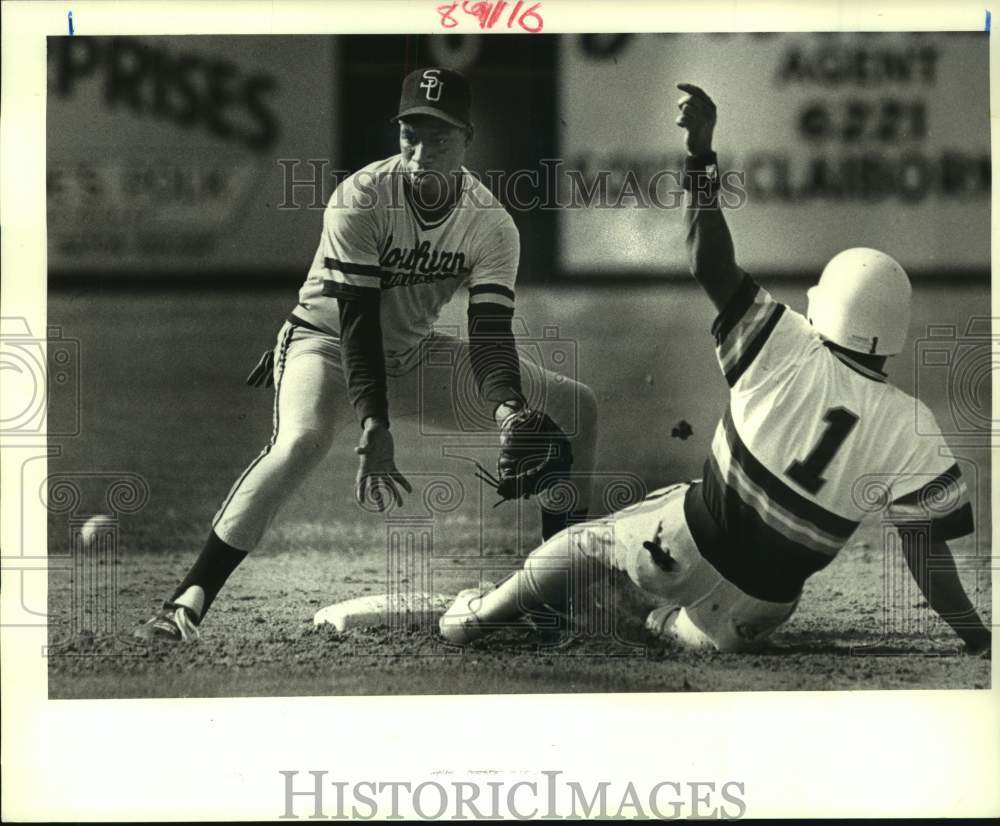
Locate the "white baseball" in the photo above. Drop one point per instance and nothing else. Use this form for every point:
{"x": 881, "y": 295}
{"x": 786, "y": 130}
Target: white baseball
{"x": 95, "y": 526}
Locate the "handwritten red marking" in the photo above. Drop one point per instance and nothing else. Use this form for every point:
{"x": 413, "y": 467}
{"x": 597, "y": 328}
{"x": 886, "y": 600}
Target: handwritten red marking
{"x": 498, "y": 7}
{"x": 446, "y": 12}
{"x": 487, "y": 14}
{"x": 513, "y": 14}
{"x": 530, "y": 12}
{"x": 478, "y": 10}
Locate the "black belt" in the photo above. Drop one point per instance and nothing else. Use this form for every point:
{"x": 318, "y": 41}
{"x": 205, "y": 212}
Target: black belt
{"x": 301, "y": 322}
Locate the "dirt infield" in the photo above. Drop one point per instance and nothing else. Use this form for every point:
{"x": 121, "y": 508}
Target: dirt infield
{"x": 161, "y": 398}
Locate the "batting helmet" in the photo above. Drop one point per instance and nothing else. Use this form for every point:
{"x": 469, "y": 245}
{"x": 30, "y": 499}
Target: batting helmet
{"x": 862, "y": 302}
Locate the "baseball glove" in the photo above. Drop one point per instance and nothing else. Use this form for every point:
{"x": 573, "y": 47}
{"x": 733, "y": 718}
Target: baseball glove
{"x": 263, "y": 374}
{"x": 534, "y": 455}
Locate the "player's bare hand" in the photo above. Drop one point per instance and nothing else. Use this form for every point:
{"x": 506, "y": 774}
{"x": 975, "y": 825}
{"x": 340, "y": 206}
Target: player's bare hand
{"x": 697, "y": 117}
{"x": 378, "y": 475}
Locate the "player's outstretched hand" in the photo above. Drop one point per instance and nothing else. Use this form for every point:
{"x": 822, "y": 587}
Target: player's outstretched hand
{"x": 377, "y": 471}
{"x": 697, "y": 117}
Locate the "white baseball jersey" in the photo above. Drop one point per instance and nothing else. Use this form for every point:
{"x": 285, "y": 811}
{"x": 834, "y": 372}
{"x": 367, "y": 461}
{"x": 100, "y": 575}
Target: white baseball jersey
{"x": 374, "y": 237}
{"x": 810, "y": 444}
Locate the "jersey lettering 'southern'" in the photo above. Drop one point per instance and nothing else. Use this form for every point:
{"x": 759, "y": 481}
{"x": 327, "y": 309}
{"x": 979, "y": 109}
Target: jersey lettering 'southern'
{"x": 374, "y": 238}
{"x": 808, "y": 442}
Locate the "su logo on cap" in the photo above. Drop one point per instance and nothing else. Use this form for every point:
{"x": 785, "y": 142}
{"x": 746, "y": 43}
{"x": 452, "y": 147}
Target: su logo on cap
{"x": 432, "y": 83}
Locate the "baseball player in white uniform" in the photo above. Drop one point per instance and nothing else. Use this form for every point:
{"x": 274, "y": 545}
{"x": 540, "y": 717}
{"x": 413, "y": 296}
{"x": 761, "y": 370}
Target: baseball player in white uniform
{"x": 400, "y": 237}
{"x": 812, "y": 440}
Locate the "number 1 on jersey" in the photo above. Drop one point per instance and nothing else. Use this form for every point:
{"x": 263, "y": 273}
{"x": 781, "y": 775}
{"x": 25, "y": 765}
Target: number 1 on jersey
{"x": 807, "y": 473}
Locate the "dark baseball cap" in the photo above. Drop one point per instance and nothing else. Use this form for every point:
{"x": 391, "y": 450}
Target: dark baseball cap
{"x": 438, "y": 92}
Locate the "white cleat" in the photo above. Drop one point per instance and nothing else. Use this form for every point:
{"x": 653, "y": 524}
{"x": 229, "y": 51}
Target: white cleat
{"x": 174, "y": 623}
{"x": 671, "y": 622}
{"x": 461, "y": 624}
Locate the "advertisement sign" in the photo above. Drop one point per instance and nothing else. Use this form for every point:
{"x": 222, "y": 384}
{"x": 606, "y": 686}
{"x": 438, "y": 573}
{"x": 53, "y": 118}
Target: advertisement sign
{"x": 839, "y": 140}
{"x": 163, "y": 152}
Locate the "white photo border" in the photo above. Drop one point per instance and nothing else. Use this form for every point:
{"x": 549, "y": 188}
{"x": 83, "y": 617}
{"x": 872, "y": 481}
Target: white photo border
{"x": 828, "y": 754}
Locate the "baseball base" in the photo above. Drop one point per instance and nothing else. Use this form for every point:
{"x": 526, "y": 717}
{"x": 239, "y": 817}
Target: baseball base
{"x": 395, "y": 611}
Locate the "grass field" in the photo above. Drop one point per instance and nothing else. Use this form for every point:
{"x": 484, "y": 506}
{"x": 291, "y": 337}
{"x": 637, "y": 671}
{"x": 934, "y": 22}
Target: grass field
{"x": 162, "y": 396}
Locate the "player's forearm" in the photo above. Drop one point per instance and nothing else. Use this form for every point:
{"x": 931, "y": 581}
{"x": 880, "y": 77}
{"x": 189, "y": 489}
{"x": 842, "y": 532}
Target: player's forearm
{"x": 937, "y": 577}
{"x": 363, "y": 357}
{"x": 711, "y": 254}
{"x": 493, "y": 354}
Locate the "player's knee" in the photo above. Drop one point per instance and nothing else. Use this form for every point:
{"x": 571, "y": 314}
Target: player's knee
{"x": 303, "y": 448}
{"x": 548, "y": 571}
{"x": 574, "y": 558}
{"x": 549, "y": 555}
{"x": 576, "y": 408}
{"x": 573, "y": 405}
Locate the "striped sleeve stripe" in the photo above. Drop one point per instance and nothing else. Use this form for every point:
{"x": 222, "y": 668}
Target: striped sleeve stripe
{"x": 754, "y": 345}
{"x": 492, "y": 298}
{"x": 735, "y": 341}
{"x": 735, "y": 310}
{"x": 492, "y": 294}
{"x": 338, "y": 290}
{"x": 350, "y": 268}
{"x": 357, "y": 275}
{"x": 498, "y": 289}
